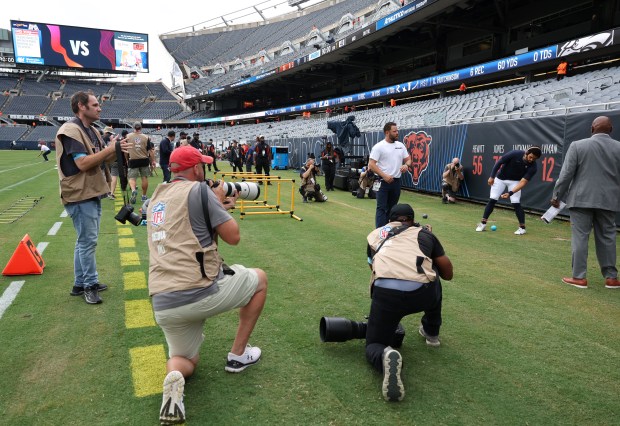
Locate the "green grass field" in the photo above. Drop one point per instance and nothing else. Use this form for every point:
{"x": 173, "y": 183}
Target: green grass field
{"x": 518, "y": 346}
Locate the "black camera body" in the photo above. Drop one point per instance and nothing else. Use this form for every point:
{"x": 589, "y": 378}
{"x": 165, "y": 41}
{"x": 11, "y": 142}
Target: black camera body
{"x": 126, "y": 213}
{"x": 336, "y": 329}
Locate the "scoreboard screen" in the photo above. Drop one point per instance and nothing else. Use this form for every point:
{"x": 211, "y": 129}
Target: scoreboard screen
{"x": 49, "y": 45}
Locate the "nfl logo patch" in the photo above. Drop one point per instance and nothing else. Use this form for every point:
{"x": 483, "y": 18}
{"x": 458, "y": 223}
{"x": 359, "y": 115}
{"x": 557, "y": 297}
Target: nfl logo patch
{"x": 158, "y": 214}
{"x": 385, "y": 231}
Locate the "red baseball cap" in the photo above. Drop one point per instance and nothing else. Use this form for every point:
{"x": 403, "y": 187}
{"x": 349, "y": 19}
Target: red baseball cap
{"x": 185, "y": 157}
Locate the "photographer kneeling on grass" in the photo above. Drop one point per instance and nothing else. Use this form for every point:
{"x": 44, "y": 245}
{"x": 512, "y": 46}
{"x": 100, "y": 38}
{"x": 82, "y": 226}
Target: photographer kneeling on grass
{"x": 366, "y": 181}
{"x": 406, "y": 261}
{"x": 451, "y": 181}
{"x": 310, "y": 189}
{"x": 188, "y": 280}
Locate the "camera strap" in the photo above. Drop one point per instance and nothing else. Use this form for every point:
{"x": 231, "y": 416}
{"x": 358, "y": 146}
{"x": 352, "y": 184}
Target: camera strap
{"x": 204, "y": 196}
{"x": 120, "y": 162}
{"x": 394, "y": 232}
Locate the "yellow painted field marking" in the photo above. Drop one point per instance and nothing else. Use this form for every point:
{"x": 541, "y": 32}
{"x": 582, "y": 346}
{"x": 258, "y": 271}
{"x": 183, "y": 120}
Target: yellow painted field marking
{"x": 124, "y": 232}
{"x": 130, "y": 259}
{"x": 139, "y": 313}
{"x": 134, "y": 280}
{"x": 126, "y": 243}
{"x": 148, "y": 369}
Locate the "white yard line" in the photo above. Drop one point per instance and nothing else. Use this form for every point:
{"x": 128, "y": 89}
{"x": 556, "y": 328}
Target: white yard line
{"x": 41, "y": 247}
{"x": 9, "y": 295}
{"x": 19, "y": 167}
{"x": 54, "y": 229}
{"x": 11, "y": 291}
{"x": 8, "y": 188}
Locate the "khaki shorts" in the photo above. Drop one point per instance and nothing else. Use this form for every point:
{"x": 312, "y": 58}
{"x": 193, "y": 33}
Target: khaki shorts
{"x": 183, "y": 326}
{"x": 139, "y": 171}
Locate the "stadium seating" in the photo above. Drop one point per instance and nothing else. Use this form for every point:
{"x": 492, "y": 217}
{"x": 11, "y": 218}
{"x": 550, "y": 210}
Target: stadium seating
{"x": 26, "y": 105}
{"x": 227, "y": 45}
{"x": 8, "y": 83}
{"x": 97, "y": 88}
{"x": 130, "y": 91}
{"x": 119, "y": 109}
{"x": 61, "y": 108}
{"x": 158, "y": 110}
{"x": 589, "y": 91}
{"x": 43, "y": 88}
{"x": 12, "y": 133}
{"x": 45, "y": 133}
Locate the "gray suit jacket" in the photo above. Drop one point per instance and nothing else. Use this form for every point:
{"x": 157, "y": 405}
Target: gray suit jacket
{"x": 590, "y": 175}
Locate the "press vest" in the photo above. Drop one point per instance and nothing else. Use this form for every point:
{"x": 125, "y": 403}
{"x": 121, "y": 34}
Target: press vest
{"x": 86, "y": 184}
{"x": 452, "y": 179}
{"x": 138, "y": 144}
{"x": 177, "y": 260}
{"x": 308, "y": 183}
{"x": 400, "y": 256}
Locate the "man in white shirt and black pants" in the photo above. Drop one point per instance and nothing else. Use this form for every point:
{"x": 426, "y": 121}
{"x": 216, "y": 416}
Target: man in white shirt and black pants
{"x": 45, "y": 151}
{"x": 388, "y": 159}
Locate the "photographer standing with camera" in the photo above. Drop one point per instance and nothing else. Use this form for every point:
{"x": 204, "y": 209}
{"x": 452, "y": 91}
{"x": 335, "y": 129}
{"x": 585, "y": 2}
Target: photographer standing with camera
{"x": 188, "y": 280}
{"x": 406, "y": 261}
{"x": 309, "y": 188}
{"x": 79, "y": 156}
{"x": 451, "y": 181}
{"x": 328, "y": 162}
{"x": 262, "y": 157}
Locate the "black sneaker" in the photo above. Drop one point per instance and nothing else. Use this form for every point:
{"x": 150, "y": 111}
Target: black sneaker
{"x": 134, "y": 194}
{"x": 79, "y": 290}
{"x": 91, "y": 295}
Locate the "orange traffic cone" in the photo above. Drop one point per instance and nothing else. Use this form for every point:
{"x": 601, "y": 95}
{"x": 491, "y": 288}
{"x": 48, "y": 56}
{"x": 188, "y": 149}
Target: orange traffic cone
{"x": 26, "y": 259}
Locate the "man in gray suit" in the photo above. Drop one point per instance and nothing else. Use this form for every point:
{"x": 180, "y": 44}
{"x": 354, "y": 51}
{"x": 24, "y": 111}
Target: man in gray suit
{"x": 590, "y": 183}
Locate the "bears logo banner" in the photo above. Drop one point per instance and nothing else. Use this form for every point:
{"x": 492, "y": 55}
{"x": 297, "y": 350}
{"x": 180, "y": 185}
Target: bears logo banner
{"x": 418, "y": 147}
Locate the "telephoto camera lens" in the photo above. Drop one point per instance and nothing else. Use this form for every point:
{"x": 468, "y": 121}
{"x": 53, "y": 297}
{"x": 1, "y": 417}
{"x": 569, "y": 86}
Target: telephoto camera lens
{"x": 336, "y": 329}
{"x": 247, "y": 190}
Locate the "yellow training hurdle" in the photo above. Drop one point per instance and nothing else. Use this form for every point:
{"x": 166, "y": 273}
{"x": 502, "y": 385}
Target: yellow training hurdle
{"x": 244, "y": 205}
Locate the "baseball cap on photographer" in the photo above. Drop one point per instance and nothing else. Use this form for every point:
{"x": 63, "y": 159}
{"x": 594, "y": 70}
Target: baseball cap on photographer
{"x": 108, "y": 129}
{"x": 137, "y": 125}
{"x": 185, "y": 157}
{"x": 401, "y": 210}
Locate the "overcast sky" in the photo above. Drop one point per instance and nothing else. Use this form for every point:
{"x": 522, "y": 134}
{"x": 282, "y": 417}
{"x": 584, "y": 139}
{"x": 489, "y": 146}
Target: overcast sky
{"x": 142, "y": 17}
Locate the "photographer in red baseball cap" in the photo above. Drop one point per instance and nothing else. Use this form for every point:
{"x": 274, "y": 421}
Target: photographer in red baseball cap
{"x": 188, "y": 280}
{"x": 185, "y": 157}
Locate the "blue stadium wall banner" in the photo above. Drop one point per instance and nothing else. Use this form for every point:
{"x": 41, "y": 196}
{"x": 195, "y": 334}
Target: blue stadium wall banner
{"x": 403, "y": 12}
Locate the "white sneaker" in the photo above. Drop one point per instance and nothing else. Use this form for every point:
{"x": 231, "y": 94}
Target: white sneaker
{"x": 392, "y": 388}
{"x": 172, "y": 410}
{"x": 481, "y": 227}
{"x": 520, "y": 231}
{"x": 430, "y": 340}
{"x": 238, "y": 363}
